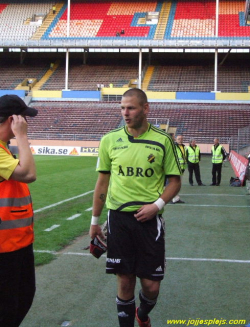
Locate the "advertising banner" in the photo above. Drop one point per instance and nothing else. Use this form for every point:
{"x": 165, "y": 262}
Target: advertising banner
{"x": 239, "y": 165}
{"x": 64, "y": 150}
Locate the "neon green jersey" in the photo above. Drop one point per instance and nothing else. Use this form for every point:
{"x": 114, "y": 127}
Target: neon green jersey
{"x": 138, "y": 166}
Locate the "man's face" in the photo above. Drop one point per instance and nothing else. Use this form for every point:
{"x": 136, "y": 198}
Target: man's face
{"x": 133, "y": 113}
{"x": 193, "y": 143}
{"x": 179, "y": 139}
{"x": 216, "y": 141}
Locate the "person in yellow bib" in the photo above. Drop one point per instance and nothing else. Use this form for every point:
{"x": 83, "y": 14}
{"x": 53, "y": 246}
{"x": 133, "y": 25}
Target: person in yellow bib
{"x": 219, "y": 154}
{"x": 193, "y": 158}
{"x": 17, "y": 271}
{"x": 181, "y": 152}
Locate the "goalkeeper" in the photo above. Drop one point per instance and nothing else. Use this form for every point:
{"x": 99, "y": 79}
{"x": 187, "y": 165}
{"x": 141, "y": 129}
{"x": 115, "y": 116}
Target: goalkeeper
{"x": 133, "y": 163}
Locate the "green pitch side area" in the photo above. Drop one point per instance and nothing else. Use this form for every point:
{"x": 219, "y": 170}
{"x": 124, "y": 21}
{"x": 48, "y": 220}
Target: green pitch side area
{"x": 207, "y": 252}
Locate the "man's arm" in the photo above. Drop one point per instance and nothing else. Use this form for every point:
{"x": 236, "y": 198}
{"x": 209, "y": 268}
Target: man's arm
{"x": 25, "y": 171}
{"x": 99, "y": 199}
{"x": 224, "y": 153}
{"x": 148, "y": 211}
{"x": 199, "y": 154}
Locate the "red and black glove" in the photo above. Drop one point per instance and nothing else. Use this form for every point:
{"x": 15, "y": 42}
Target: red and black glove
{"x": 97, "y": 247}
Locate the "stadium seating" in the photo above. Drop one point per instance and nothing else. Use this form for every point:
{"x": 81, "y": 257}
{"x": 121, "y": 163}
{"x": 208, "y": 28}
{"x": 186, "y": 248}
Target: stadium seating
{"x": 15, "y": 19}
{"x": 103, "y": 20}
{"x": 13, "y": 72}
{"x": 86, "y": 120}
{"x": 187, "y": 73}
{"x": 91, "y": 120}
{"x": 86, "y": 77}
{"x": 186, "y": 20}
{"x": 200, "y": 78}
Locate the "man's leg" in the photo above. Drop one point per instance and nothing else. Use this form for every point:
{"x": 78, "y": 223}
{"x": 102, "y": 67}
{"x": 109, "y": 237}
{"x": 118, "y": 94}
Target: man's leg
{"x": 190, "y": 170}
{"x": 148, "y": 298}
{"x": 17, "y": 285}
{"x": 219, "y": 167}
{"x": 214, "y": 174}
{"x": 197, "y": 174}
{"x": 9, "y": 281}
{"x": 125, "y": 300}
{"x": 27, "y": 284}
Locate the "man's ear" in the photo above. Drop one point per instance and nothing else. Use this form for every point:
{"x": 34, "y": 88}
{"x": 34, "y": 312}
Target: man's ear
{"x": 146, "y": 108}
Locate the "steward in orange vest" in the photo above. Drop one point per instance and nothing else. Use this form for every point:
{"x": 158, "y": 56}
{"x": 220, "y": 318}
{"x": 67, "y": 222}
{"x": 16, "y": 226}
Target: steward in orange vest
{"x": 16, "y": 215}
{"x": 17, "y": 269}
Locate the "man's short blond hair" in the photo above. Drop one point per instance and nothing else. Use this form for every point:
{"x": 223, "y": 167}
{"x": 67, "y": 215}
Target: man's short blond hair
{"x": 141, "y": 95}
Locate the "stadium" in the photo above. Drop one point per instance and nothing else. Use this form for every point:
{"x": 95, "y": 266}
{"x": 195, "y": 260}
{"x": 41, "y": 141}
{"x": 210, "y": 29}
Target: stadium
{"x": 72, "y": 60}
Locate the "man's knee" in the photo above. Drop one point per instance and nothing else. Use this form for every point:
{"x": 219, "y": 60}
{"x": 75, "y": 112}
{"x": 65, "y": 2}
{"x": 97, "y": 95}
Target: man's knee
{"x": 126, "y": 285}
{"x": 150, "y": 288}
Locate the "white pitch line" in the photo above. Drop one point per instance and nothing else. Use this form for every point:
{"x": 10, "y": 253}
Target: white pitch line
{"x": 210, "y": 260}
{"x": 89, "y": 209}
{"x": 82, "y": 254}
{"x": 74, "y": 216}
{"x": 66, "y": 200}
{"x": 51, "y": 228}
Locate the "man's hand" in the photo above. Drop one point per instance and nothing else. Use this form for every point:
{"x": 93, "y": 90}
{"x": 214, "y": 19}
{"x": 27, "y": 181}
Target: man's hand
{"x": 96, "y": 230}
{"x": 25, "y": 171}
{"x": 98, "y": 244}
{"x": 19, "y": 125}
{"x": 146, "y": 212}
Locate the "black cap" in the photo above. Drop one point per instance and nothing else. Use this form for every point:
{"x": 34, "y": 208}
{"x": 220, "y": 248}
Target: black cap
{"x": 11, "y": 104}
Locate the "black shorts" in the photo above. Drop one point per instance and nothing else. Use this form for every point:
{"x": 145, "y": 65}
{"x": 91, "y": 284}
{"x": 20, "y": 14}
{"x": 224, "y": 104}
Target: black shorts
{"x": 135, "y": 247}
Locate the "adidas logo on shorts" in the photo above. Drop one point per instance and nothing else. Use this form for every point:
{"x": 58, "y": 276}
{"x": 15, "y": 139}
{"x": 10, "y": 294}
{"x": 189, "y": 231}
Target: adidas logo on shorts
{"x": 159, "y": 269}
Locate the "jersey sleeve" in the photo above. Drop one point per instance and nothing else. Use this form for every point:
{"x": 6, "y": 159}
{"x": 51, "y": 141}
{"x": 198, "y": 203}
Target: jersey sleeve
{"x": 7, "y": 165}
{"x": 104, "y": 161}
{"x": 171, "y": 162}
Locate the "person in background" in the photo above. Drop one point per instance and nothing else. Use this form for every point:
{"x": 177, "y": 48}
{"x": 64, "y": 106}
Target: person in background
{"x": 133, "y": 163}
{"x": 193, "y": 159}
{"x": 181, "y": 152}
{"x": 219, "y": 154}
{"x": 17, "y": 271}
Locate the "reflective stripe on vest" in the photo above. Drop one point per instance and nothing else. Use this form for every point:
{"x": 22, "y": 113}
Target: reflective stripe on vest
{"x": 11, "y": 224}
{"x": 181, "y": 157}
{"x": 193, "y": 155}
{"x": 217, "y": 156}
{"x": 15, "y": 202}
{"x": 16, "y": 215}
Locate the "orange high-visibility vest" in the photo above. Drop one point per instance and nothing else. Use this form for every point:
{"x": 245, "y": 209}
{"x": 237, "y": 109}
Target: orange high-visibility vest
{"x": 16, "y": 215}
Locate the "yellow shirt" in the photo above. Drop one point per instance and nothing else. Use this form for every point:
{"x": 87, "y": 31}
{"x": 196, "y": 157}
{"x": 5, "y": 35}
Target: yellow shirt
{"x": 7, "y": 163}
{"x": 182, "y": 149}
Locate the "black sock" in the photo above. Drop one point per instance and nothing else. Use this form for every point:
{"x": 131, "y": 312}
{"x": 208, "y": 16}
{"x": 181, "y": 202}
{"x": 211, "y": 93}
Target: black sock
{"x": 126, "y": 312}
{"x": 145, "y": 307}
